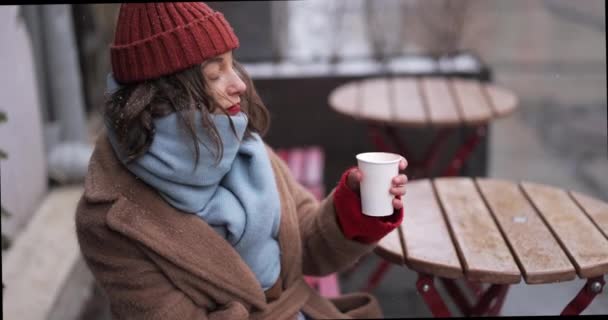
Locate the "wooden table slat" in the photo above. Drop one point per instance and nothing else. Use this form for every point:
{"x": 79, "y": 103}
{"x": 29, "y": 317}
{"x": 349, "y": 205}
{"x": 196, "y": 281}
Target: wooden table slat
{"x": 375, "y": 97}
{"x": 345, "y": 99}
{"x": 409, "y": 106}
{"x": 485, "y": 255}
{"x": 582, "y": 240}
{"x": 503, "y": 102}
{"x": 439, "y": 101}
{"x": 539, "y": 254}
{"x": 595, "y": 209}
{"x": 428, "y": 245}
{"x": 472, "y": 101}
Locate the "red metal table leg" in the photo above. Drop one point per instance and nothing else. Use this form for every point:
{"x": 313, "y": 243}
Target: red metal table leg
{"x": 391, "y": 132}
{"x": 414, "y": 166}
{"x": 475, "y": 287}
{"x": 483, "y": 305}
{"x": 419, "y": 168}
{"x": 430, "y": 156}
{"x": 375, "y": 134}
{"x": 464, "y": 152}
{"x": 433, "y": 151}
{"x": 425, "y": 166}
{"x": 348, "y": 272}
{"x": 431, "y": 296}
{"x": 378, "y": 274}
{"x": 591, "y": 289}
{"x": 495, "y": 309}
{"x": 457, "y": 295}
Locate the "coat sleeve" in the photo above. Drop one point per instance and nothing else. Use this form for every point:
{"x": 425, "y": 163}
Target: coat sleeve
{"x": 135, "y": 287}
{"x": 324, "y": 246}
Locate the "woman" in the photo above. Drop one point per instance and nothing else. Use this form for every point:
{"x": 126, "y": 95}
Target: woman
{"x": 187, "y": 213}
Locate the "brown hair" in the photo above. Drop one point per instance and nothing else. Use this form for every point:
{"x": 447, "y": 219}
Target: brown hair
{"x": 131, "y": 109}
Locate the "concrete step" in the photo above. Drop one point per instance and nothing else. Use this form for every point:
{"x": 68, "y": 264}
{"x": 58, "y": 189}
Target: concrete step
{"x": 43, "y": 272}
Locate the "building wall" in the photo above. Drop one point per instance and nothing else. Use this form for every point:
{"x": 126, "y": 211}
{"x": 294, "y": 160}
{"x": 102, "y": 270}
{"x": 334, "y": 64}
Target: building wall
{"x": 23, "y": 175}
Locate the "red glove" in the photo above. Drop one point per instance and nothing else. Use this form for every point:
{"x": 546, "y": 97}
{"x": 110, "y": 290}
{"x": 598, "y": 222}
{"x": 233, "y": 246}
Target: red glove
{"x": 354, "y": 224}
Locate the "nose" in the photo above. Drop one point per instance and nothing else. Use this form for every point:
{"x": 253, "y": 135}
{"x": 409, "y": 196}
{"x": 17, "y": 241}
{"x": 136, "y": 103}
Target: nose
{"x": 236, "y": 85}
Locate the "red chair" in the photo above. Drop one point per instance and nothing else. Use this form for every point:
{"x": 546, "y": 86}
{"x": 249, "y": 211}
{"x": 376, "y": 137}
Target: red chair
{"x": 306, "y": 164}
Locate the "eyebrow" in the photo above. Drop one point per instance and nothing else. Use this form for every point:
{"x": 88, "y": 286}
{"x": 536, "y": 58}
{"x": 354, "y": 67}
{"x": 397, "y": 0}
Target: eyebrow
{"x": 213, "y": 60}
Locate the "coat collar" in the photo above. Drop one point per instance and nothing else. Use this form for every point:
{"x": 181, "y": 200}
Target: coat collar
{"x": 184, "y": 239}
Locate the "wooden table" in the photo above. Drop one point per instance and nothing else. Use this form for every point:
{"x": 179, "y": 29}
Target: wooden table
{"x": 496, "y": 232}
{"x": 447, "y": 104}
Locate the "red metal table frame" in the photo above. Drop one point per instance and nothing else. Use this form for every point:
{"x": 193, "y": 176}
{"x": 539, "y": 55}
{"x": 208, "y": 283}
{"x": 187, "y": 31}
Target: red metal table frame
{"x": 490, "y": 301}
{"x": 382, "y": 135}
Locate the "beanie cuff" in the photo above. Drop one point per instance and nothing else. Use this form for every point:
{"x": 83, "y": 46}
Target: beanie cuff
{"x": 174, "y": 50}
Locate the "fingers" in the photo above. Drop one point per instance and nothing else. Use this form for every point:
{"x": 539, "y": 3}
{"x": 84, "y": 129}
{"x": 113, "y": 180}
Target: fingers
{"x": 397, "y": 204}
{"x": 397, "y": 191}
{"x": 354, "y": 178}
{"x": 399, "y": 180}
{"x": 399, "y": 185}
{"x": 403, "y": 164}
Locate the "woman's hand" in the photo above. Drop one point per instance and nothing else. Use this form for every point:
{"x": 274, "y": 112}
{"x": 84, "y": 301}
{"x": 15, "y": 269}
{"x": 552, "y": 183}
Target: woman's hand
{"x": 397, "y": 188}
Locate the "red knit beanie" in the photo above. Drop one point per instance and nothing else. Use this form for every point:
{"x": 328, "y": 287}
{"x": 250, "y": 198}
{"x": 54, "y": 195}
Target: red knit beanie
{"x": 157, "y": 39}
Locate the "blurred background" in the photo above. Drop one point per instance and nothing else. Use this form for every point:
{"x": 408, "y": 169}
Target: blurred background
{"x": 54, "y": 59}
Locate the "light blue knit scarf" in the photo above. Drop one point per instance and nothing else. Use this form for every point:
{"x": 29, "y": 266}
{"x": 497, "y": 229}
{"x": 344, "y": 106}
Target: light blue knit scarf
{"x": 237, "y": 197}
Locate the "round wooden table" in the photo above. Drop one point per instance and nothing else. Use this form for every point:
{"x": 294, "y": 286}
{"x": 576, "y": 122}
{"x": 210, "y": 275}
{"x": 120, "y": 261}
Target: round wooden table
{"x": 446, "y": 104}
{"x": 423, "y": 101}
{"x": 491, "y": 231}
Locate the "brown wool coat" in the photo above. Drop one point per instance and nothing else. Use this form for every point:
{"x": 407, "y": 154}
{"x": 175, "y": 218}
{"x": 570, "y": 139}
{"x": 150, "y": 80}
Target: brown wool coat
{"x": 155, "y": 262}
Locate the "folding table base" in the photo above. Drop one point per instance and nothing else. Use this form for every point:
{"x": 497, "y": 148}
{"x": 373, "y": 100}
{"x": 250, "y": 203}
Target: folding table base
{"x": 377, "y": 275}
{"x": 430, "y": 295}
{"x": 583, "y": 299}
{"x": 488, "y": 303}
{"x": 384, "y": 136}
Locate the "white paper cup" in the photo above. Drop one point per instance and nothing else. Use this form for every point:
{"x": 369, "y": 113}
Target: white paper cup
{"x": 378, "y": 169}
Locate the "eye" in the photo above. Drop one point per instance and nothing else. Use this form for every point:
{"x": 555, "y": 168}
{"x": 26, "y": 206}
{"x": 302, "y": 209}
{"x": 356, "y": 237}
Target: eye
{"x": 213, "y": 77}
{"x": 212, "y": 71}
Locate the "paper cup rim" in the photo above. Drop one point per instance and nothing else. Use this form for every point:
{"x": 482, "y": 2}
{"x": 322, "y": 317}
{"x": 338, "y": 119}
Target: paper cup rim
{"x": 362, "y": 157}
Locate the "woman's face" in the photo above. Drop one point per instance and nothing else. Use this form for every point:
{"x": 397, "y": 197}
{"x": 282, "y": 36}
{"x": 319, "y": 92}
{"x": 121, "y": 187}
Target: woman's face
{"x": 224, "y": 85}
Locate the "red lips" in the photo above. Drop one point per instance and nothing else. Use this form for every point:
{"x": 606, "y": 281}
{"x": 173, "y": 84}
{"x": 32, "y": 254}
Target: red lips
{"x": 234, "y": 109}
